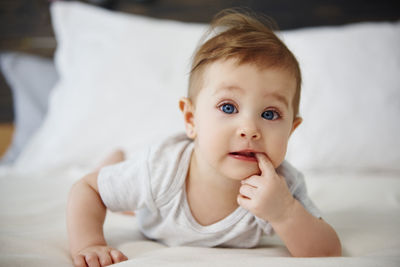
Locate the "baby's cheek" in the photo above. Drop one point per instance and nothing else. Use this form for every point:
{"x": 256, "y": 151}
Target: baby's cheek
{"x": 208, "y": 142}
{"x": 277, "y": 152}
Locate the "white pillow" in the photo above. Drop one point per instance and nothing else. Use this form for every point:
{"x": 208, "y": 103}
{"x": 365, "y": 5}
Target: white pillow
{"x": 122, "y": 76}
{"x": 351, "y": 97}
{"x": 30, "y": 79}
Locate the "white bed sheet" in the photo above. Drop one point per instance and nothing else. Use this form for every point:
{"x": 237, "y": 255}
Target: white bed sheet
{"x": 363, "y": 206}
{"x": 364, "y": 210}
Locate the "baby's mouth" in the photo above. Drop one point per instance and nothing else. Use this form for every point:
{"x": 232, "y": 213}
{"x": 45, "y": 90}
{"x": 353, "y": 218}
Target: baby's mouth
{"x": 244, "y": 155}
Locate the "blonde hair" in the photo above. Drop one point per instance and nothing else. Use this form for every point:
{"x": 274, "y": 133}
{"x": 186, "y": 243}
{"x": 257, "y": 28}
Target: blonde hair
{"x": 247, "y": 37}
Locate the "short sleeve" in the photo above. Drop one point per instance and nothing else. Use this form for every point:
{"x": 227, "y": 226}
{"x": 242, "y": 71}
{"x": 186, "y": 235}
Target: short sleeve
{"x": 125, "y": 185}
{"x": 298, "y": 188}
{"x": 149, "y": 178}
{"x": 300, "y": 193}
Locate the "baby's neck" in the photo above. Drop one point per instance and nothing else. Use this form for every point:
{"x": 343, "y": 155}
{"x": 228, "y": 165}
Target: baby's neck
{"x": 207, "y": 189}
{"x": 211, "y": 179}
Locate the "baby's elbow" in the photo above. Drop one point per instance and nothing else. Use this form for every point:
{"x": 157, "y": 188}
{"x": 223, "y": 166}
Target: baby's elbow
{"x": 335, "y": 250}
{"x": 321, "y": 254}
{"x": 333, "y": 247}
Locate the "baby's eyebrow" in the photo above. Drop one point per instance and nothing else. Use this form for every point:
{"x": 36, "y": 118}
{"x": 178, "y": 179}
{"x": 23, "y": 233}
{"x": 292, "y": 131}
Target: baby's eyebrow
{"x": 279, "y": 97}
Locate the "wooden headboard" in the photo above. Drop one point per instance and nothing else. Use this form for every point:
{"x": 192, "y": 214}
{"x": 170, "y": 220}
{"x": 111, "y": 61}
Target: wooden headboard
{"x": 25, "y": 24}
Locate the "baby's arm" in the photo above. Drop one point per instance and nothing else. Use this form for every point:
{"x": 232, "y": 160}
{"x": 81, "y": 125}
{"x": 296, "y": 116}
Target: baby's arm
{"x": 268, "y": 197}
{"x": 306, "y": 235}
{"x": 85, "y": 217}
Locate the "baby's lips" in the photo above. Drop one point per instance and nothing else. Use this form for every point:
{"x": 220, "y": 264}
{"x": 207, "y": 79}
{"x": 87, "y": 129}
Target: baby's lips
{"x": 244, "y": 153}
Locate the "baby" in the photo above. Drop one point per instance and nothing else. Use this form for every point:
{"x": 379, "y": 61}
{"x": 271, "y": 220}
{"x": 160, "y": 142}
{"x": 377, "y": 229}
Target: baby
{"x": 225, "y": 183}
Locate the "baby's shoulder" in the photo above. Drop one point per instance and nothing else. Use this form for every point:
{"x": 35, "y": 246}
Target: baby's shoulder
{"x": 168, "y": 163}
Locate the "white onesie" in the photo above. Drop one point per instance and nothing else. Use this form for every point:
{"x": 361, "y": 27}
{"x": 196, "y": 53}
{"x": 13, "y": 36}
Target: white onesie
{"x": 152, "y": 183}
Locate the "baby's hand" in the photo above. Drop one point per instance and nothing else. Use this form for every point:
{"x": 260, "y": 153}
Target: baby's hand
{"x": 98, "y": 256}
{"x": 266, "y": 195}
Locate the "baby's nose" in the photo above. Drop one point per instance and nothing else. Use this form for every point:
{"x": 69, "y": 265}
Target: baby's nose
{"x": 249, "y": 133}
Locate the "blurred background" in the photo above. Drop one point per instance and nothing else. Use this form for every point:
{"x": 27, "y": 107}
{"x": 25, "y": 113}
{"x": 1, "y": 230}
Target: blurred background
{"x": 25, "y": 25}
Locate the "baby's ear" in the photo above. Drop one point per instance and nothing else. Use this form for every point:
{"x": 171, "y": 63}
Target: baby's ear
{"x": 186, "y": 106}
{"x": 296, "y": 122}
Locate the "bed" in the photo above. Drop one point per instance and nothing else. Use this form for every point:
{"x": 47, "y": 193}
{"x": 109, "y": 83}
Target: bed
{"x": 117, "y": 82}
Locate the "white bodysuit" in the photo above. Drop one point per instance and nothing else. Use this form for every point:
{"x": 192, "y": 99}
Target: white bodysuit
{"x": 152, "y": 183}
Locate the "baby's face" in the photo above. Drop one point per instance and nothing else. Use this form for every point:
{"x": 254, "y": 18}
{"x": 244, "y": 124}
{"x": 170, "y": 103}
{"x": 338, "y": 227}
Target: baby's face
{"x": 241, "y": 110}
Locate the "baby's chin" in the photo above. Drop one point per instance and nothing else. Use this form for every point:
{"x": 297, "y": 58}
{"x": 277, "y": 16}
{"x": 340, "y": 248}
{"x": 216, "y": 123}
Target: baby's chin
{"x": 246, "y": 174}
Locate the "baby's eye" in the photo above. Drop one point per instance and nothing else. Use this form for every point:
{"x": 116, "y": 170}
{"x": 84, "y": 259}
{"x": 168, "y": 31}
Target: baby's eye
{"x": 228, "y": 108}
{"x": 270, "y": 115}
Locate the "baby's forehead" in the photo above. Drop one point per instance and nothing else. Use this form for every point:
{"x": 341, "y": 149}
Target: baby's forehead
{"x": 232, "y": 66}
{"x": 233, "y": 77}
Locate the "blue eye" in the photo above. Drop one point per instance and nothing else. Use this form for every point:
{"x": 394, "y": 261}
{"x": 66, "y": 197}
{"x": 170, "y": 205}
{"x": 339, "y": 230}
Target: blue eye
{"x": 228, "y": 108}
{"x": 270, "y": 115}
